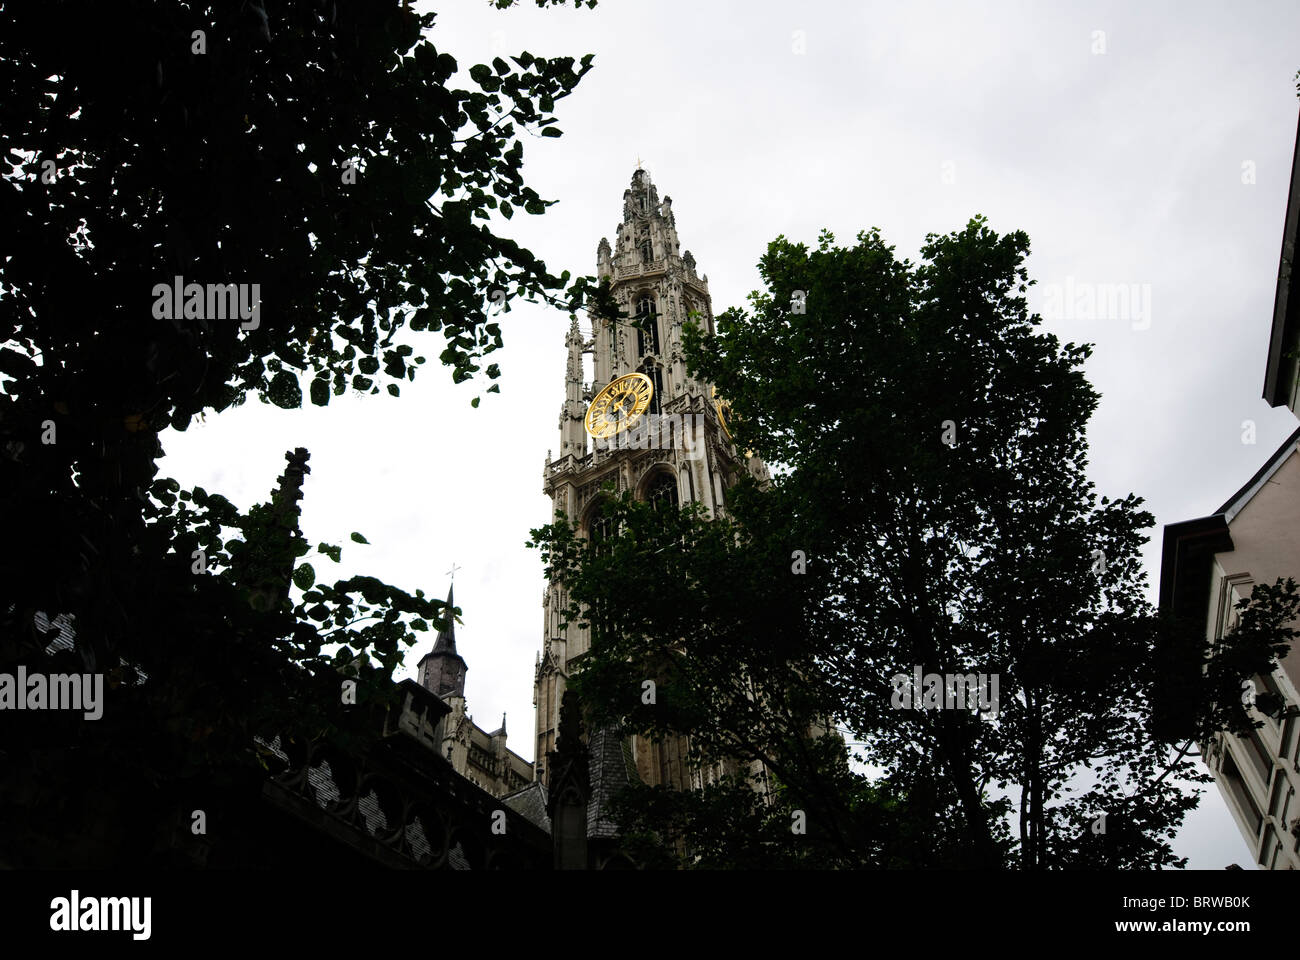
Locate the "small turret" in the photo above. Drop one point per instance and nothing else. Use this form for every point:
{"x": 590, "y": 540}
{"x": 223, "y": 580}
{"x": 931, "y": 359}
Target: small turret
{"x": 604, "y": 268}
{"x": 443, "y": 670}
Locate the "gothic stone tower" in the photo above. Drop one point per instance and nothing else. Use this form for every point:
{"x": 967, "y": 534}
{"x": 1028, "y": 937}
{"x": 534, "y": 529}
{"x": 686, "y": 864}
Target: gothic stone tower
{"x": 655, "y": 281}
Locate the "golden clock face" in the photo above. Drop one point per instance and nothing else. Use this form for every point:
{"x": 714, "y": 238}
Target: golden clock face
{"x": 724, "y": 412}
{"x": 619, "y": 405}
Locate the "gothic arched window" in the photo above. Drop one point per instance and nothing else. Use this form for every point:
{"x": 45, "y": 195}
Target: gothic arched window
{"x": 651, "y": 370}
{"x": 647, "y": 323}
{"x": 600, "y": 525}
{"x": 662, "y": 491}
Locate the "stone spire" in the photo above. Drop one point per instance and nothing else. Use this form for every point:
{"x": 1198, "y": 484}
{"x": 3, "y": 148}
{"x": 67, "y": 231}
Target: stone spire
{"x": 650, "y": 277}
{"x": 573, "y": 437}
{"x": 640, "y": 199}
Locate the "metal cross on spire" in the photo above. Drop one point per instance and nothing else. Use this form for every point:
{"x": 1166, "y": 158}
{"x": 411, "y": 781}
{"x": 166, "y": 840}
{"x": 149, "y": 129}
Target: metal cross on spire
{"x": 452, "y": 572}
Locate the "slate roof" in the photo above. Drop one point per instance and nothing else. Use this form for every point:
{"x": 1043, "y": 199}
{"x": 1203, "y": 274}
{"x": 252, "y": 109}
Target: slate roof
{"x": 611, "y": 769}
{"x": 446, "y": 641}
{"x": 530, "y": 803}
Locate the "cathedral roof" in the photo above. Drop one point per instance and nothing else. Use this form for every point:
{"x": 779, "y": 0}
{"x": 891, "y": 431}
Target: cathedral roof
{"x": 611, "y": 769}
{"x": 530, "y": 803}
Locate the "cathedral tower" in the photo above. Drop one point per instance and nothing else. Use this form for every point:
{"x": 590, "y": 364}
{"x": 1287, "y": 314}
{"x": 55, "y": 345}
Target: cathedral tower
{"x": 686, "y": 457}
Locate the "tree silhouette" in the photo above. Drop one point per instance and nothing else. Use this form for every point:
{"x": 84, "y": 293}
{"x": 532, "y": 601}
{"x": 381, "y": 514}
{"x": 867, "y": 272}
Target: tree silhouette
{"x": 929, "y": 509}
{"x": 206, "y": 202}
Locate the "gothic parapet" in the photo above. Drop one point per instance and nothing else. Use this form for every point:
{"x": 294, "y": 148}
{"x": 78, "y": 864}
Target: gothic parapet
{"x": 399, "y": 803}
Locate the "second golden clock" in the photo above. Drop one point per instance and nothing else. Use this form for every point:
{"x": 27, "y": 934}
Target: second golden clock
{"x": 724, "y": 412}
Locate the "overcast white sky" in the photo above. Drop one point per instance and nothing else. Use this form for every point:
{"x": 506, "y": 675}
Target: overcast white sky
{"x": 1124, "y": 167}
